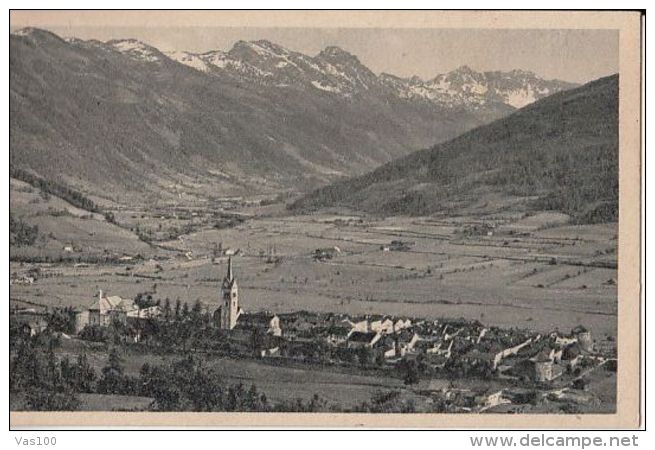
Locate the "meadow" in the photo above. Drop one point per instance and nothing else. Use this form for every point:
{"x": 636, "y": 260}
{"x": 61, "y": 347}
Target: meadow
{"x": 554, "y": 276}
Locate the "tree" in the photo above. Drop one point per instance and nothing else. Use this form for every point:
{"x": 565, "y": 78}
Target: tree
{"x": 257, "y": 341}
{"x": 167, "y": 310}
{"x": 365, "y": 356}
{"x": 255, "y": 401}
{"x": 113, "y": 380}
{"x": 39, "y": 377}
{"x": 410, "y": 372}
{"x": 41, "y": 399}
{"x": 62, "y": 320}
{"x": 84, "y": 374}
{"x": 177, "y": 309}
{"x": 196, "y": 314}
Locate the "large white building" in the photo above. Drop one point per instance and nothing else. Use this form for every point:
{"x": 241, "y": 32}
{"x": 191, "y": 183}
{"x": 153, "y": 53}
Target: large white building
{"x": 104, "y": 310}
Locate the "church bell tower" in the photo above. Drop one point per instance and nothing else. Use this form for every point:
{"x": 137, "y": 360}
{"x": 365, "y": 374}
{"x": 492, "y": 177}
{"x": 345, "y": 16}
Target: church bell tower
{"x": 229, "y": 310}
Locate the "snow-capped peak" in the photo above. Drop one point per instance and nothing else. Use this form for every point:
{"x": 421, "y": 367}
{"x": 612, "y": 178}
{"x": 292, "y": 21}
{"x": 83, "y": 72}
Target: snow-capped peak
{"x": 464, "y": 86}
{"x": 337, "y": 72}
{"x": 189, "y": 59}
{"x": 136, "y": 49}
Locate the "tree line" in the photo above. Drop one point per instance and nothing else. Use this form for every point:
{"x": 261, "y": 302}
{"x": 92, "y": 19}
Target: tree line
{"x": 50, "y": 187}
{"x": 21, "y": 233}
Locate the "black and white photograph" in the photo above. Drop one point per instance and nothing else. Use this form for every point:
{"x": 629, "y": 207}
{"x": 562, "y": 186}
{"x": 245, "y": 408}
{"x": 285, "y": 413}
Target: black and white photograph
{"x": 305, "y": 219}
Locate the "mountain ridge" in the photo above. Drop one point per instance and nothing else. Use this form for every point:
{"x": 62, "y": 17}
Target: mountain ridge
{"x": 91, "y": 113}
{"x": 562, "y": 149}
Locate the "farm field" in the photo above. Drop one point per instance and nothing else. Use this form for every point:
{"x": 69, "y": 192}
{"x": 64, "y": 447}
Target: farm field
{"x": 553, "y": 276}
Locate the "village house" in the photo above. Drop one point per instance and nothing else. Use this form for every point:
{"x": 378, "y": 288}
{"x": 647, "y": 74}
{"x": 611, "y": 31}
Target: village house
{"x": 436, "y": 348}
{"x": 388, "y": 347}
{"x": 477, "y": 362}
{"x": 510, "y": 351}
{"x": 264, "y": 322}
{"x": 487, "y": 401}
{"x": 436, "y": 361}
{"x": 361, "y": 325}
{"x": 401, "y": 324}
{"x": 407, "y": 340}
{"x": 34, "y": 327}
{"x": 579, "y": 335}
{"x": 571, "y": 356}
{"x": 358, "y": 339}
{"x": 381, "y": 324}
{"x": 300, "y": 324}
{"x": 543, "y": 369}
{"x": 337, "y": 335}
{"x": 540, "y": 368}
{"x": 270, "y": 346}
{"x": 584, "y": 338}
{"x": 562, "y": 341}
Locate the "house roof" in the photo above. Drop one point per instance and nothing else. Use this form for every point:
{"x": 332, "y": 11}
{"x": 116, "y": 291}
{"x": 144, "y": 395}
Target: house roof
{"x": 483, "y": 356}
{"x": 112, "y": 303}
{"x": 579, "y": 329}
{"x": 359, "y": 336}
{"x": 541, "y": 357}
{"x": 377, "y": 317}
{"x": 405, "y": 335}
{"x": 338, "y": 330}
{"x": 257, "y": 318}
{"x": 571, "y": 352}
{"x": 386, "y": 342}
{"x": 36, "y": 324}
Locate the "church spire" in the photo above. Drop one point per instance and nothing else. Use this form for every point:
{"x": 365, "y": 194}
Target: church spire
{"x": 229, "y": 269}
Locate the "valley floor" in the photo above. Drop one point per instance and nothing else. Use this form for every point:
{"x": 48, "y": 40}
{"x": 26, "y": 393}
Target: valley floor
{"x": 513, "y": 270}
{"x": 542, "y": 279}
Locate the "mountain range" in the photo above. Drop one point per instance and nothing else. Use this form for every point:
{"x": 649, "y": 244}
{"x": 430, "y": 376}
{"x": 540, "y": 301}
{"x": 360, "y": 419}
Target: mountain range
{"x": 559, "y": 153}
{"x": 122, "y": 117}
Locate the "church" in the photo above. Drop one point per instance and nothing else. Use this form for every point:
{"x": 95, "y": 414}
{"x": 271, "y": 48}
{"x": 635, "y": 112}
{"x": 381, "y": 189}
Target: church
{"x": 229, "y": 315}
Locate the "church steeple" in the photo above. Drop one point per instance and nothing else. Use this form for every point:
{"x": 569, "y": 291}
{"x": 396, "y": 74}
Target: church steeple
{"x": 229, "y": 310}
{"x": 229, "y": 275}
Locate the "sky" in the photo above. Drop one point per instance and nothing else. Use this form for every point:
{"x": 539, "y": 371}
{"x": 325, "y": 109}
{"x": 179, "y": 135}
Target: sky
{"x": 576, "y": 55}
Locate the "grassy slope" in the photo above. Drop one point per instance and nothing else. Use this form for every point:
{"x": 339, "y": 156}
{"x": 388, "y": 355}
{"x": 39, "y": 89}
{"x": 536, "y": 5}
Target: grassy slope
{"x": 563, "y": 149}
{"x": 61, "y": 224}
